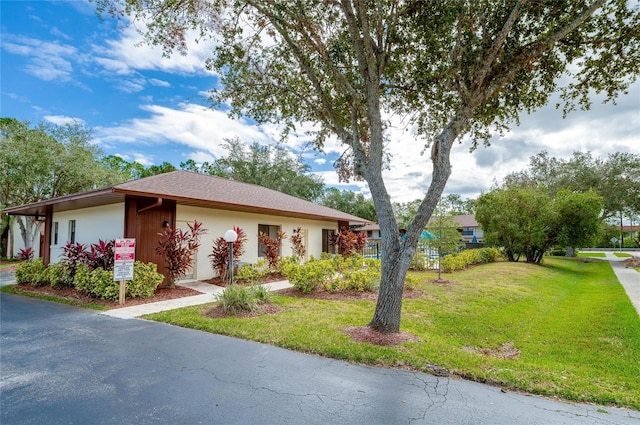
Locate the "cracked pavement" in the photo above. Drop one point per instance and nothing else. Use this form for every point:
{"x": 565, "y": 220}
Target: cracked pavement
{"x": 65, "y": 365}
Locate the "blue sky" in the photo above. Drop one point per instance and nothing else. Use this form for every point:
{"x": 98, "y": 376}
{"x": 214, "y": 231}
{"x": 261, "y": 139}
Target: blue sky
{"x": 60, "y": 62}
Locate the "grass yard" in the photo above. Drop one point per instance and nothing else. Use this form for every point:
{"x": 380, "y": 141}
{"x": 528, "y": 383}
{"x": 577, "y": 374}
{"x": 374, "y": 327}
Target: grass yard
{"x": 565, "y": 329}
{"x": 592, "y": 254}
{"x": 622, "y": 255}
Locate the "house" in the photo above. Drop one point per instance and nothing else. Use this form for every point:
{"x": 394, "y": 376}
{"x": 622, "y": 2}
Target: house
{"x": 470, "y": 230}
{"x": 141, "y": 208}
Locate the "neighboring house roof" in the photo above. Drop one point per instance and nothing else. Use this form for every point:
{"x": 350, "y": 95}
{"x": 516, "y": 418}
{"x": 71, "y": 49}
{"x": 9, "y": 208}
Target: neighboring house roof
{"x": 188, "y": 188}
{"x": 468, "y": 220}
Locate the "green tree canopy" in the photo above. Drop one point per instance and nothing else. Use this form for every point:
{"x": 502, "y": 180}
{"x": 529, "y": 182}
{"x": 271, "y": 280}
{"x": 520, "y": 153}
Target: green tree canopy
{"x": 453, "y": 68}
{"x": 526, "y": 221}
{"x": 44, "y": 162}
{"x": 349, "y": 202}
{"x": 616, "y": 179}
{"x": 268, "y": 166}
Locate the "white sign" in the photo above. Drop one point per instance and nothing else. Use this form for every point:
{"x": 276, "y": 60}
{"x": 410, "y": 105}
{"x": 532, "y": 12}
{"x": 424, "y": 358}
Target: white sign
{"x": 123, "y": 270}
{"x": 124, "y": 257}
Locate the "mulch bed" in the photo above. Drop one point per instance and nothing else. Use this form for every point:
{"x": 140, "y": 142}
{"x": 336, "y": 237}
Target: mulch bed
{"x": 225, "y": 282}
{"x": 162, "y": 294}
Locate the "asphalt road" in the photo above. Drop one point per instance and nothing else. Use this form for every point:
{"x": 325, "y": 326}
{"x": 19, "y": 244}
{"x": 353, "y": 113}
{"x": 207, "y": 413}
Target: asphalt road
{"x": 65, "y": 365}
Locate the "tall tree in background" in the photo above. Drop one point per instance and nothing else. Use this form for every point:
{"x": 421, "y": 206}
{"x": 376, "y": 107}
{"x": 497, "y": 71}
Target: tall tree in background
{"x": 349, "y": 202}
{"x": 527, "y": 221}
{"x": 268, "y": 166}
{"x": 453, "y": 68}
{"x": 45, "y": 162}
{"x": 616, "y": 178}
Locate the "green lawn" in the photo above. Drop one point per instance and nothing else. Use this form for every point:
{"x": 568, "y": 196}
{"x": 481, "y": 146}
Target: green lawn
{"x": 622, "y": 254}
{"x": 568, "y": 325}
{"x": 592, "y": 254}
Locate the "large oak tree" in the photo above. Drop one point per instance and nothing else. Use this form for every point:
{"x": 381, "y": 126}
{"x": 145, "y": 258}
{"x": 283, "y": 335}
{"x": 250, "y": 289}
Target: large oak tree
{"x": 453, "y": 68}
{"x": 43, "y": 162}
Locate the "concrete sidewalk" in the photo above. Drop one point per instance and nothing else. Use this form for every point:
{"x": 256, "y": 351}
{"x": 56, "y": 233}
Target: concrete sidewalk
{"x": 629, "y": 278}
{"x": 209, "y": 295}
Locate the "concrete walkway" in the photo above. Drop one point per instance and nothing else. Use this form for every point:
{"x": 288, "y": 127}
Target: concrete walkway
{"x": 209, "y": 295}
{"x": 628, "y": 277}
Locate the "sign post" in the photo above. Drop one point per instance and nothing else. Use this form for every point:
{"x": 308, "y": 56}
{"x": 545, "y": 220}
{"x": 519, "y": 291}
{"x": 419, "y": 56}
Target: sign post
{"x": 124, "y": 258}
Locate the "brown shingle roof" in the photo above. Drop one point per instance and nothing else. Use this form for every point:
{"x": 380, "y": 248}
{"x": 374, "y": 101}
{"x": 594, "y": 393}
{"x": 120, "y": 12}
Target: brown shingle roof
{"x": 188, "y": 188}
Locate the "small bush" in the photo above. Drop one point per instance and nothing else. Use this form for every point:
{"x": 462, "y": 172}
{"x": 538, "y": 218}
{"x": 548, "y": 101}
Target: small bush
{"x": 453, "y": 262}
{"x": 100, "y": 284}
{"x": 103, "y": 286}
{"x": 419, "y": 262}
{"x": 311, "y": 275}
{"x": 236, "y": 298}
{"x": 146, "y": 280}
{"x": 362, "y": 280}
{"x": 253, "y": 272}
{"x": 60, "y": 276}
{"x": 33, "y": 272}
{"x": 260, "y": 293}
{"x": 25, "y": 254}
{"x": 82, "y": 279}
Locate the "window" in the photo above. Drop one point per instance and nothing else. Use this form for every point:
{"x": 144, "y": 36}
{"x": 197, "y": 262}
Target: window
{"x": 72, "y": 231}
{"x": 270, "y": 230}
{"x": 54, "y": 233}
{"x": 326, "y": 238}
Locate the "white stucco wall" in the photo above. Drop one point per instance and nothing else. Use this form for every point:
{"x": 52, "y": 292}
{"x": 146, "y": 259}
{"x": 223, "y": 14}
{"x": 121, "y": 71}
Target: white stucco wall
{"x": 92, "y": 224}
{"x": 217, "y": 222}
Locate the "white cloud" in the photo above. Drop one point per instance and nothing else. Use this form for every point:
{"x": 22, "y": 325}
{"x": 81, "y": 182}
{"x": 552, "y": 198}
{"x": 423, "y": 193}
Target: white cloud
{"x": 63, "y": 120}
{"x": 192, "y": 126}
{"x": 48, "y": 61}
{"x": 159, "y": 83}
{"x": 129, "y": 52}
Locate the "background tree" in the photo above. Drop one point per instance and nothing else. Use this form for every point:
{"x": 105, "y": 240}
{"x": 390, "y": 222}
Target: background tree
{"x": 45, "y": 162}
{"x": 268, "y": 166}
{"x": 445, "y": 229}
{"x": 349, "y": 202}
{"x": 452, "y": 68}
{"x": 456, "y": 205}
{"x": 616, "y": 179}
{"x": 526, "y": 221}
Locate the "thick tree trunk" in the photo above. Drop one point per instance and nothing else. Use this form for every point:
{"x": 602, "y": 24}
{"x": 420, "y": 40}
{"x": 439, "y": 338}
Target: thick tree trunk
{"x": 396, "y": 254}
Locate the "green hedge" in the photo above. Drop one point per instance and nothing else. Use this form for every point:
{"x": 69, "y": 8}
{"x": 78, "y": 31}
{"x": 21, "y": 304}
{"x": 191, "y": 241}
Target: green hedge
{"x": 100, "y": 283}
{"x": 468, "y": 257}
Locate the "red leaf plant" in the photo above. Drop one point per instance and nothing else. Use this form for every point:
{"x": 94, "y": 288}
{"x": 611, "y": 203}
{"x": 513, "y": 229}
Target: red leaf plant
{"x": 178, "y": 247}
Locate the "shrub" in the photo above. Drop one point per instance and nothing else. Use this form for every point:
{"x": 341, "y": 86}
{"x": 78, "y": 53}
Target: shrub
{"x": 272, "y": 247}
{"x": 220, "y": 252}
{"x": 74, "y": 254}
{"x": 235, "y": 299}
{"x": 260, "y": 293}
{"x": 309, "y": 276}
{"x": 419, "y": 262}
{"x": 253, "y": 272}
{"x": 99, "y": 282}
{"x": 32, "y": 272}
{"x": 101, "y": 255}
{"x": 60, "y": 276}
{"x": 146, "y": 280}
{"x": 103, "y": 286}
{"x": 358, "y": 280}
{"x": 348, "y": 242}
{"x": 25, "y": 254}
{"x": 177, "y": 247}
{"x": 469, "y": 257}
{"x": 297, "y": 244}
{"x": 82, "y": 279}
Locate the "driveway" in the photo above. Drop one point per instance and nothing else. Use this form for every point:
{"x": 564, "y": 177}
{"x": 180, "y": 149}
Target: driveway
{"x": 66, "y": 365}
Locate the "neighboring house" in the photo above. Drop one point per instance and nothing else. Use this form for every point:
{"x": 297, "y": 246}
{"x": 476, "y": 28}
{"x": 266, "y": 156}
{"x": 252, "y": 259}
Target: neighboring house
{"x": 139, "y": 209}
{"x": 469, "y": 228}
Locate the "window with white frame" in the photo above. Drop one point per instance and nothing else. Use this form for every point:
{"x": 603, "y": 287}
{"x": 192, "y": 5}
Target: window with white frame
{"x": 72, "y": 231}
